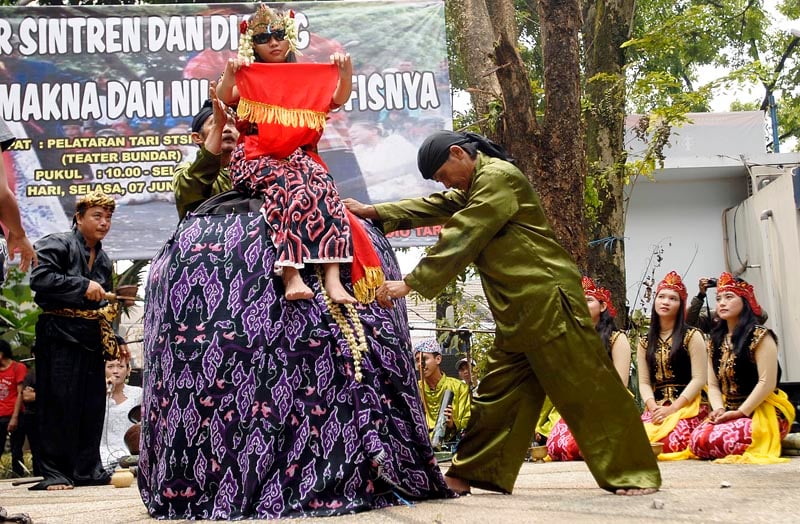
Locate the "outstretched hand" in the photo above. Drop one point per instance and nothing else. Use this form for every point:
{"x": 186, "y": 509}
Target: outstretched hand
{"x": 390, "y": 290}
{"x": 344, "y": 88}
{"x": 27, "y": 255}
{"x": 359, "y": 209}
{"x": 213, "y": 141}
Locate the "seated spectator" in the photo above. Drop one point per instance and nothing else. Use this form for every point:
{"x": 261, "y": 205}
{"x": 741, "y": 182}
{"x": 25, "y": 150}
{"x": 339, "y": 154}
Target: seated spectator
{"x": 468, "y": 376}
{"x": 121, "y": 398}
{"x": 12, "y": 374}
{"x": 749, "y": 414}
{"x": 704, "y": 319}
{"x": 433, "y": 384}
{"x": 548, "y": 418}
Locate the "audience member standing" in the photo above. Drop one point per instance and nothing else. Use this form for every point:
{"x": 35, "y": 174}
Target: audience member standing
{"x": 12, "y": 373}
{"x": 72, "y": 334}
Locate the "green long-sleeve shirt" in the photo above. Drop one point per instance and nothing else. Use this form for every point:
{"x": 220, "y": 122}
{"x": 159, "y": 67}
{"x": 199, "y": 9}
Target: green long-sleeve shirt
{"x": 530, "y": 281}
{"x": 461, "y": 403}
{"x": 196, "y": 182}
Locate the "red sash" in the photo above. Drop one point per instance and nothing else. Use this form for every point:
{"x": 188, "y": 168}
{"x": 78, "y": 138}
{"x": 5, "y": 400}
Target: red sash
{"x": 289, "y": 102}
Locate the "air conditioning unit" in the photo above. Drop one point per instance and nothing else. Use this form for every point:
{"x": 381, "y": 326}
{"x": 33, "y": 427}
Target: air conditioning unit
{"x": 761, "y": 176}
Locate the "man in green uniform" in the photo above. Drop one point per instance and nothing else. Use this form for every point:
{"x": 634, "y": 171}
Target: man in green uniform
{"x": 433, "y": 383}
{"x": 545, "y": 342}
{"x": 214, "y": 131}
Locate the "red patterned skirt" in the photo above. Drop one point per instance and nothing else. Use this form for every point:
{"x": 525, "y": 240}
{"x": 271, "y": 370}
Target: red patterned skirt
{"x": 678, "y": 438}
{"x": 561, "y": 444}
{"x": 713, "y": 441}
{"x": 306, "y": 217}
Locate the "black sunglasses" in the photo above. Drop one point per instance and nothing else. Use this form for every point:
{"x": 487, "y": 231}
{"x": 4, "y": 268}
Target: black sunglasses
{"x": 263, "y": 38}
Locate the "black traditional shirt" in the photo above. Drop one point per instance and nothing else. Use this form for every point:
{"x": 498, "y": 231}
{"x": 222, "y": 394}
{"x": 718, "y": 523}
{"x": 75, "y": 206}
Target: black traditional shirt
{"x": 61, "y": 280}
{"x": 737, "y": 376}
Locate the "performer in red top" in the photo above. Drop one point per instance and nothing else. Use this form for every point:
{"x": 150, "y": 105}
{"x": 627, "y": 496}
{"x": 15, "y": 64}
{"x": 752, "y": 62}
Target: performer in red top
{"x": 283, "y": 109}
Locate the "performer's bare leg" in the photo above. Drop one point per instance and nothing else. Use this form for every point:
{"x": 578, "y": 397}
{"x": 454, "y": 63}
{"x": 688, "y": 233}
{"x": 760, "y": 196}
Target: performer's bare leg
{"x": 296, "y": 289}
{"x": 334, "y": 287}
{"x": 458, "y": 485}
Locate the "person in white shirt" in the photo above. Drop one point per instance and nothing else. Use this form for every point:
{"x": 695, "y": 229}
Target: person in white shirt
{"x": 120, "y": 399}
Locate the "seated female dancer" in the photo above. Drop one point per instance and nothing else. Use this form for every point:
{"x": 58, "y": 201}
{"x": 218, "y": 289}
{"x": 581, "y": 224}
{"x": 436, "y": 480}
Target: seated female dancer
{"x": 750, "y": 415}
{"x": 561, "y": 444}
{"x": 672, "y": 371}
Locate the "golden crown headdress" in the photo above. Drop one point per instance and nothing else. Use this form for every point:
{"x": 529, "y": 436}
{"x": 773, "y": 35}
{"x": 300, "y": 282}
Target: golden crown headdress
{"x": 674, "y": 282}
{"x": 727, "y": 282}
{"x": 600, "y": 293}
{"x": 266, "y": 20}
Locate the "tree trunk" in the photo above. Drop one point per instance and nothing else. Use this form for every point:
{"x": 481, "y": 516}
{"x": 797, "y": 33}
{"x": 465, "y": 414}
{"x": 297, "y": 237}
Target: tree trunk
{"x": 551, "y": 155}
{"x": 607, "y": 27}
{"x": 560, "y": 178}
{"x": 518, "y": 130}
{"x": 475, "y": 43}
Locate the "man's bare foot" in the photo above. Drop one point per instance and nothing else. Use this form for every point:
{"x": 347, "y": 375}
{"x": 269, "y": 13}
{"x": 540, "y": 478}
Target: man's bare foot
{"x": 458, "y": 485}
{"x": 632, "y": 492}
{"x": 59, "y": 487}
{"x": 296, "y": 289}
{"x": 338, "y": 293}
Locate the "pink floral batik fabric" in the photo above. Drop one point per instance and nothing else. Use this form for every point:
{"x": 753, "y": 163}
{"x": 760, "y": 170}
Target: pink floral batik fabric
{"x": 713, "y": 441}
{"x": 561, "y": 444}
{"x": 678, "y": 438}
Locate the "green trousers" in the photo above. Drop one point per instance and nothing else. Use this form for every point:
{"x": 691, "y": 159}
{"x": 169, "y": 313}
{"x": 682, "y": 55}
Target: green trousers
{"x": 575, "y": 372}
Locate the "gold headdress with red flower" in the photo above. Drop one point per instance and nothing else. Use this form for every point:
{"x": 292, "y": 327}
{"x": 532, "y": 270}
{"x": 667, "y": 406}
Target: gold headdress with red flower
{"x": 674, "y": 282}
{"x": 266, "y": 20}
{"x": 600, "y": 293}
{"x": 726, "y": 282}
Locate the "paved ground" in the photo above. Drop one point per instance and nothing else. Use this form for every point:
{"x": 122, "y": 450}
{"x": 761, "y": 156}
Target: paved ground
{"x": 558, "y": 492}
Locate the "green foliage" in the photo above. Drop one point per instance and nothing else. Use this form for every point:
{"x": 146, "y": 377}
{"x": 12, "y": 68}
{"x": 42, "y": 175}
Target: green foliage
{"x": 18, "y": 314}
{"x": 673, "y": 40}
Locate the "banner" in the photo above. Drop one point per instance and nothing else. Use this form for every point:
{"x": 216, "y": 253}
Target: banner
{"x": 103, "y": 97}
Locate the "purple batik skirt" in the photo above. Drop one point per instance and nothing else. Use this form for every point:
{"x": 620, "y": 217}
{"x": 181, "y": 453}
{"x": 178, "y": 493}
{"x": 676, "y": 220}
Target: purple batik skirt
{"x": 251, "y": 408}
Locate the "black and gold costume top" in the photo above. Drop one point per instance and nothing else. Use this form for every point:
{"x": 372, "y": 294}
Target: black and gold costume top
{"x": 737, "y": 376}
{"x": 671, "y": 374}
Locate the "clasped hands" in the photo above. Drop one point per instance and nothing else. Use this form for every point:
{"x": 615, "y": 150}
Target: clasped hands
{"x": 660, "y": 413}
{"x": 720, "y": 415}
